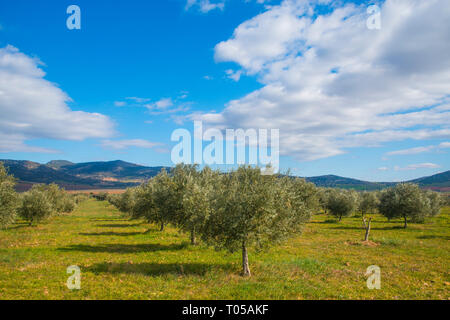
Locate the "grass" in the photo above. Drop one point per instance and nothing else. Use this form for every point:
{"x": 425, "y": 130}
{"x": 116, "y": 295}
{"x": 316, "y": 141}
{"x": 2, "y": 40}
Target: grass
{"x": 122, "y": 259}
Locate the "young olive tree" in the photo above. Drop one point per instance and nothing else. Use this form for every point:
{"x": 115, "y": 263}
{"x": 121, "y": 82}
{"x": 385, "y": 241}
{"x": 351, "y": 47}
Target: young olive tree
{"x": 59, "y": 199}
{"x": 123, "y": 202}
{"x": 436, "y": 203}
{"x": 251, "y": 209}
{"x": 154, "y": 200}
{"x": 368, "y": 204}
{"x": 194, "y": 197}
{"x": 324, "y": 195}
{"x": 342, "y": 203}
{"x": 35, "y": 205}
{"x": 405, "y": 200}
{"x": 8, "y": 198}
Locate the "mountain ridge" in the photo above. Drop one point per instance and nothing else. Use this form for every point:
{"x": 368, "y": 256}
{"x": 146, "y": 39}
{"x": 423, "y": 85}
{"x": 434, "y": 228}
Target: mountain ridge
{"x": 119, "y": 174}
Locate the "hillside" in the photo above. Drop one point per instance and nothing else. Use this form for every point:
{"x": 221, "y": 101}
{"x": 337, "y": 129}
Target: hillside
{"x": 120, "y": 174}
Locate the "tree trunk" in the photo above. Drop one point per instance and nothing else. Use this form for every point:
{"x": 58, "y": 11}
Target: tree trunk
{"x": 162, "y": 226}
{"x": 245, "y": 266}
{"x": 406, "y": 223}
{"x": 193, "y": 239}
{"x": 366, "y": 237}
{"x": 364, "y": 222}
{"x": 340, "y": 218}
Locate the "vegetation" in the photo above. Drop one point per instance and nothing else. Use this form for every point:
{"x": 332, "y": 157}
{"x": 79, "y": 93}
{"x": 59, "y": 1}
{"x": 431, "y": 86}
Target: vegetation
{"x": 36, "y": 205}
{"x": 8, "y": 198}
{"x": 342, "y": 203}
{"x": 408, "y": 201}
{"x": 123, "y": 259}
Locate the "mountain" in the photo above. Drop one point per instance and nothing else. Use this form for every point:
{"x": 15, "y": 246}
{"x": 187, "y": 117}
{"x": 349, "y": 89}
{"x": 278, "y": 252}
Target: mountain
{"x": 80, "y": 176}
{"x": 120, "y": 174}
{"x": 112, "y": 170}
{"x": 332, "y": 181}
{"x": 440, "y": 181}
{"x": 57, "y": 164}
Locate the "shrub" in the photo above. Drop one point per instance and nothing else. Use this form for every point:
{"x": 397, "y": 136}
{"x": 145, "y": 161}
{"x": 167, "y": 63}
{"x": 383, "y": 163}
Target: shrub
{"x": 342, "y": 203}
{"x": 405, "y": 200}
{"x": 35, "y": 206}
{"x": 8, "y": 198}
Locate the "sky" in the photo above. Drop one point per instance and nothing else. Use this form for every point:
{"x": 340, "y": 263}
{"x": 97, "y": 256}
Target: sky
{"x": 353, "y": 92}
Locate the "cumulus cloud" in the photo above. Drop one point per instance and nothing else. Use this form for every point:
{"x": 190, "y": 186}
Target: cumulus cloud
{"x": 330, "y": 83}
{"x": 32, "y": 107}
{"x": 124, "y": 144}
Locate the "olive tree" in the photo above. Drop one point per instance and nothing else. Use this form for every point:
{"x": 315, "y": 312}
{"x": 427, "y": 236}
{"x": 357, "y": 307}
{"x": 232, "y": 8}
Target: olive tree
{"x": 368, "y": 204}
{"x": 8, "y": 198}
{"x": 405, "y": 200}
{"x": 154, "y": 200}
{"x": 123, "y": 202}
{"x": 435, "y": 203}
{"x": 251, "y": 209}
{"x": 35, "y": 205}
{"x": 59, "y": 199}
{"x": 342, "y": 203}
{"x": 194, "y": 191}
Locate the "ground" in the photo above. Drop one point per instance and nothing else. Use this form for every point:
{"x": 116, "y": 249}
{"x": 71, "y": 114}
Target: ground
{"x": 123, "y": 259}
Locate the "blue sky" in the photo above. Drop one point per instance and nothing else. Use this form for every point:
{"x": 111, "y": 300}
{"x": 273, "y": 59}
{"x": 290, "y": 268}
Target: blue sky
{"x": 138, "y": 70}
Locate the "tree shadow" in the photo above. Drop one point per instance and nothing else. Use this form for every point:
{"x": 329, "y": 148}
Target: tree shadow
{"x": 372, "y": 228}
{"x": 125, "y": 248}
{"x": 18, "y": 225}
{"x": 126, "y": 225}
{"x": 120, "y": 234}
{"x": 156, "y": 269}
{"x": 429, "y": 236}
{"x": 111, "y": 219}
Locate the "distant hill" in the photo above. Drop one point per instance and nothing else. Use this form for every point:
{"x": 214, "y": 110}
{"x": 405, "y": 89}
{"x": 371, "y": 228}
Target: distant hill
{"x": 332, "y": 181}
{"x": 81, "y": 176}
{"x": 120, "y": 174}
{"x": 57, "y": 164}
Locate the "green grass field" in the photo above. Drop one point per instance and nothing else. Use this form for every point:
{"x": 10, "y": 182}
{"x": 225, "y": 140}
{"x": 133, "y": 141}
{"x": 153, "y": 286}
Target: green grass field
{"x": 122, "y": 259}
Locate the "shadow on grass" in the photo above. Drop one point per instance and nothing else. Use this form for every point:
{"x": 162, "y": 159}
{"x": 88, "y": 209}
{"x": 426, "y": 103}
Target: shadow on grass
{"x": 18, "y": 226}
{"x": 125, "y": 248}
{"x": 120, "y": 234}
{"x": 372, "y": 228}
{"x": 110, "y": 219}
{"x": 123, "y": 225}
{"x": 157, "y": 269}
{"x": 429, "y": 236}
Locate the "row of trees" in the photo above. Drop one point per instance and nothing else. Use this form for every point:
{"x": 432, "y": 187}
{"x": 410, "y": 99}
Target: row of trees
{"x": 406, "y": 201}
{"x": 232, "y": 211}
{"x": 244, "y": 208}
{"x": 40, "y": 202}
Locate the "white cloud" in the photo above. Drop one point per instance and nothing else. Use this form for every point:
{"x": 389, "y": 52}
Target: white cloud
{"x": 33, "y": 108}
{"x": 205, "y": 6}
{"x": 234, "y": 75}
{"x": 418, "y": 150}
{"x": 418, "y": 166}
{"x": 330, "y": 84}
{"x": 120, "y": 103}
{"x": 160, "y": 104}
{"x": 383, "y": 169}
{"x": 124, "y": 144}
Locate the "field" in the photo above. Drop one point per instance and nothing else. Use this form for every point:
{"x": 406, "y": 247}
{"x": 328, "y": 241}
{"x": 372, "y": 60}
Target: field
{"x": 123, "y": 259}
